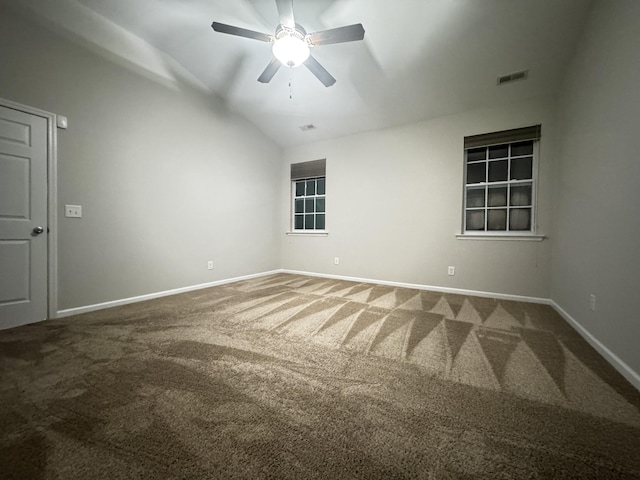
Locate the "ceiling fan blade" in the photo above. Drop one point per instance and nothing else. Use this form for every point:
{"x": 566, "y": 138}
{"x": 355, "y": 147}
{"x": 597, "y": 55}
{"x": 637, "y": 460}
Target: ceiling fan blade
{"x": 350, "y": 33}
{"x": 319, "y": 71}
{"x": 270, "y": 71}
{"x": 241, "y": 32}
{"x": 285, "y": 11}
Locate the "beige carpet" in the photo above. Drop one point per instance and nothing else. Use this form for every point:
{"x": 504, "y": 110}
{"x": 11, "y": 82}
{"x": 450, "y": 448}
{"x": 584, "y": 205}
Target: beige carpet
{"x": 296, "y": 377}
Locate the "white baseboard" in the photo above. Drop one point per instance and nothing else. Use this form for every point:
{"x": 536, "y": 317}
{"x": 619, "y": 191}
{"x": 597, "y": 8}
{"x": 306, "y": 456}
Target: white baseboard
{"x": 150, "y": 296}
{"x": 459, "y": 291}
{"x": 625, "y": 370}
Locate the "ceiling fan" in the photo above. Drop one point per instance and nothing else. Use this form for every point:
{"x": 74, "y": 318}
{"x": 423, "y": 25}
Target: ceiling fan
{"x": 291, "y": 43}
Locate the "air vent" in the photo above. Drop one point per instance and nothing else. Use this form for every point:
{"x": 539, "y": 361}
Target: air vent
{"x": 512, "y": 77}
{"x": 306, "y": 128}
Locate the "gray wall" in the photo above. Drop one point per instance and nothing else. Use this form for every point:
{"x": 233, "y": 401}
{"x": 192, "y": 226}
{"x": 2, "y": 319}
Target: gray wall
{"x": 596, "y": 249}
{"x": 394, "y": 207}
{"x": 167, "y": 178}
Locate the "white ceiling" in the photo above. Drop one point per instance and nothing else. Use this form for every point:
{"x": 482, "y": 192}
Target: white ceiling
{"x": 419, "y": 59}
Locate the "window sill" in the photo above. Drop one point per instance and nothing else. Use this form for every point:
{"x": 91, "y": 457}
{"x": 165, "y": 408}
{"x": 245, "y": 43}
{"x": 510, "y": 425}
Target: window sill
{"x": 308, "y": 233}
{"x": 501, "y": 236}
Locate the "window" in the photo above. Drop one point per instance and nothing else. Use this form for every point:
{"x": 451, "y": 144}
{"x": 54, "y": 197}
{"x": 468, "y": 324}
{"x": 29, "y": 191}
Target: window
{"x": 308, "y": 184}
{"x": 500, "y": 182}
{"x": 309, "y": 204}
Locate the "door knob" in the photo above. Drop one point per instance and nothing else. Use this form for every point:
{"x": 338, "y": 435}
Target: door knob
{"x": 38, "y": 230}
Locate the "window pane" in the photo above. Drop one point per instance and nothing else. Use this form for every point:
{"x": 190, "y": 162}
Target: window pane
{"x": 299, "y": 222}
{"x": 522, "y": 168}
{"x": 320, "y": 222}
{"x": 499, "y": 151}
{"x": 476, "y": 172}
{"x": 520, "y": 219}
{"x": 497, "y": 196}
{"x": 308, "y": 205}
{"x": 299, "y": 205}
{"x": 321, "y": 183}
{"x": 309, "y": 223}
{"x": 521, "y": 195}
{"x": 475, "y": 220}
{"x": 311, "y": 187}
{"x": 522, "y": 148}
{"x": 319, "y": 204}
{"x": 475, "y": 197}
{"x": 497, "y": 219}
{"x": 498, "y": 170}
{"x": 299, "y": 189}
{"x": 476, "y": 154}
{"x": 499, "y": 187}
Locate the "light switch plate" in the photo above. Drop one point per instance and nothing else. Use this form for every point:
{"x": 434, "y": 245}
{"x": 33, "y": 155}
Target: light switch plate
{"x": 73, "y": 211}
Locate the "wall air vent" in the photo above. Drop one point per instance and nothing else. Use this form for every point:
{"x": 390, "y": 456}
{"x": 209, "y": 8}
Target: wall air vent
{"x": 306, "y": 128}
{"x": 512, "y": 77}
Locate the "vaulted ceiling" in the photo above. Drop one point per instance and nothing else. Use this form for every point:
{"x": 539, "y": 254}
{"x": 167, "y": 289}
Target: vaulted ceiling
{"x": 419, "y": 59}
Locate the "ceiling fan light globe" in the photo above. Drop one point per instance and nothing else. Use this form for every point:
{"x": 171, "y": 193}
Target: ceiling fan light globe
{"x": 290, "y": 51}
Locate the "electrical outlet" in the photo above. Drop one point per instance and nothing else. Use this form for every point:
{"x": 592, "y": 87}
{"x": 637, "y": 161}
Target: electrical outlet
{"x": 592, "y": 302}
{"x": 73, "y": 211}
{"x": 336, "y": 260}
{"x": 210, "y": 265}
{"x": 451, "y": 270}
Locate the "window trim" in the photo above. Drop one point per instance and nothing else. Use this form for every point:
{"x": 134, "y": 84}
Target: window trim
{"x": 527, "y": 236}
{"x": 307, "y": 233}
{"x": 531, "y": 234}
{"x": 302, "y": 232}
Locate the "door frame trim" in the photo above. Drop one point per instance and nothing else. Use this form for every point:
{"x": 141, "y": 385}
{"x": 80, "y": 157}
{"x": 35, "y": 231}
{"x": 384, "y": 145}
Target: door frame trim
{"x": 52, "y": 199}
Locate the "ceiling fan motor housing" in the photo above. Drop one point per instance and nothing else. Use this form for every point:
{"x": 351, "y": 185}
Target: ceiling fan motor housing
{"x": 290, "y": 45}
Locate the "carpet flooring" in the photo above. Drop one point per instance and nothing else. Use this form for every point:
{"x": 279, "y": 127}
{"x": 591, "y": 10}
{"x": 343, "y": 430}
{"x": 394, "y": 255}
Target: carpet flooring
{"x": 294, "y": 377}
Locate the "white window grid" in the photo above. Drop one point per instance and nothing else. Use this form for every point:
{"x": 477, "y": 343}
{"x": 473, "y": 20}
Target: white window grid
{"x": 502, "y": 183}
{"x": 313, "y": 212}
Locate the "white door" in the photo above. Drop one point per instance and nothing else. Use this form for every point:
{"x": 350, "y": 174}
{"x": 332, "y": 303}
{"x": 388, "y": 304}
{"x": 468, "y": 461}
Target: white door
{"x": 23, "y": 218}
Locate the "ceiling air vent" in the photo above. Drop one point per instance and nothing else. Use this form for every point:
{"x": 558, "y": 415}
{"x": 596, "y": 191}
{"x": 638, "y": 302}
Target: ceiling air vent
{"x": 512, "y": 77}
{"x": 306, "y": 128}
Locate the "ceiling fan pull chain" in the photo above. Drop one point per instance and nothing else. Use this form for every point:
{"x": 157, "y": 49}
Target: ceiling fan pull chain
{"x": 290, "y": 82}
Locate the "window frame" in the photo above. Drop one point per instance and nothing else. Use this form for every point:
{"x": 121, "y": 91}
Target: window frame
{"x": 504, "y": 234}
{"x": 302, "y": 231}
